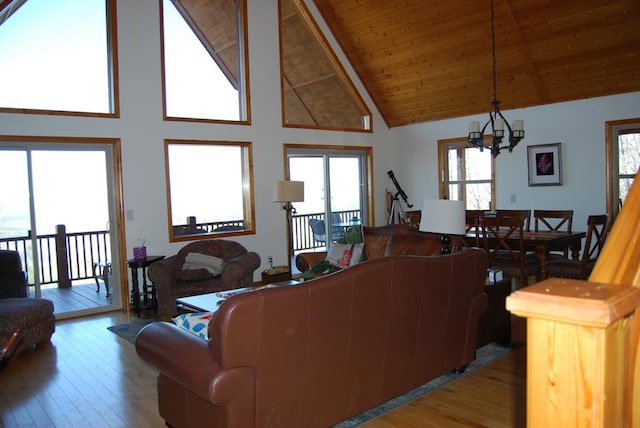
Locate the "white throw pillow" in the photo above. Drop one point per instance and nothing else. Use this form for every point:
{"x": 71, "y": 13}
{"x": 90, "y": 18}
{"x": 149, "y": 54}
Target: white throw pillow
{"x": 345, "y": 255}
{"x": 202, "y": 261}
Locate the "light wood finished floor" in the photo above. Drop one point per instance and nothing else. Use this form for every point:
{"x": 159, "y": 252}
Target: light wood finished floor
{"x": 89, "y": 377}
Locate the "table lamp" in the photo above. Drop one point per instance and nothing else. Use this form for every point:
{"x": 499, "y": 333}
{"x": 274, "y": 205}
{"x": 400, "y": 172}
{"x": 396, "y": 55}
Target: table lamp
{"x": 445, "y": 217}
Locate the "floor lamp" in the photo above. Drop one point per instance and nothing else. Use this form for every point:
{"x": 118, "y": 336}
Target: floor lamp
{"x": 286, "y": 192}
{"x": 445, "y": 217}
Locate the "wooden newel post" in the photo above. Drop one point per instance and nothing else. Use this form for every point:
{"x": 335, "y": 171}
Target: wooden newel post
{"x": 578, "y": 352}
{"x": 62, "y": 262}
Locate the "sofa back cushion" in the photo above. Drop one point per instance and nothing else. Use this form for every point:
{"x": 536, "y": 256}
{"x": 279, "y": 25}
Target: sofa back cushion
{"x": 411, "y": 245}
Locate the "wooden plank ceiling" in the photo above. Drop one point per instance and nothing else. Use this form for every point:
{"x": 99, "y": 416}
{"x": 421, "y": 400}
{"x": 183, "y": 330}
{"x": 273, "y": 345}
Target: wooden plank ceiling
{"x": 423, "y": 60}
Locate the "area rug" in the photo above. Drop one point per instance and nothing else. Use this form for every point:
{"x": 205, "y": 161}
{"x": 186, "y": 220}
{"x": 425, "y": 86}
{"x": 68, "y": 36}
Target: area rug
{"x": 485, "y": 355}
{"x": 130, "y": 330}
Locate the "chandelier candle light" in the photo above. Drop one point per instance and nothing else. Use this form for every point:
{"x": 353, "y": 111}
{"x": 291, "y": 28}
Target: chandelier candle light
{"x": 496, "y": 119}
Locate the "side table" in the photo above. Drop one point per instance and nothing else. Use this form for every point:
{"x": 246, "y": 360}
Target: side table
{"x": 278, "y": 277}
{"x": 145, "y": 299}
{"x": 495, "y": 322}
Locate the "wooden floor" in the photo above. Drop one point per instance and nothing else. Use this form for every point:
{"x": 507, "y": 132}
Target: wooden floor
{"x": 89, "y": 377}
{"x": 82, "y": 295}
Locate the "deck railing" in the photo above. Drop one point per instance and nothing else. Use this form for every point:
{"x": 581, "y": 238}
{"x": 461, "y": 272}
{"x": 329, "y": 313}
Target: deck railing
{"x": 62, "y": 257}
{"x": 301, "y": 231}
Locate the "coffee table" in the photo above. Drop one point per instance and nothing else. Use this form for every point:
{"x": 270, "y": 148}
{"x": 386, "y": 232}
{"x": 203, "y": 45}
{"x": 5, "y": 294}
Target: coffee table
{"x": 210, "y": 302}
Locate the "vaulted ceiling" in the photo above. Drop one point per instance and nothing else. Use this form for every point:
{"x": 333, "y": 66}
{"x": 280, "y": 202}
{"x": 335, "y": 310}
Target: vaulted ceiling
{"x": 423, "y": 60}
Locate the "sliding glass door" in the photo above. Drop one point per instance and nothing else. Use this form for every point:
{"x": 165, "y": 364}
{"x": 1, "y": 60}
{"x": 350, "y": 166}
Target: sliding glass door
{"x": 56, "y": 211}
{"x": 336, "y": 189}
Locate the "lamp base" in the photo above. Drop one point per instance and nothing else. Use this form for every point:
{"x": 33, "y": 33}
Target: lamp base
{"x": 446, "y": 249}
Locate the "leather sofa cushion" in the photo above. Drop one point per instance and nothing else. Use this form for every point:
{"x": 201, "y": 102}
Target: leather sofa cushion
{"x": 374, "y": 245}
{"x": 407, "y": 245}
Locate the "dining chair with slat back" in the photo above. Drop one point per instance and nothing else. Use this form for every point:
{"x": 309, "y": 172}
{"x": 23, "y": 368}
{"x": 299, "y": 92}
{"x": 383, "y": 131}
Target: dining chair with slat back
{"x": 473, "y": 226}
{"x": 553, "y": 221}
{"x": 503, "y": 241}
{"x": 524, "y": 214}
{"x": 597, "y": 230}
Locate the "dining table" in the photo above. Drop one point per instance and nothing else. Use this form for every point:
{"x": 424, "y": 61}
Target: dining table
{"x": 541, "y": 244}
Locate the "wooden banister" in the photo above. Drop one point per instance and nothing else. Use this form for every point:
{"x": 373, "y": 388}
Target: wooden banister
{"x": 583, "y": 361}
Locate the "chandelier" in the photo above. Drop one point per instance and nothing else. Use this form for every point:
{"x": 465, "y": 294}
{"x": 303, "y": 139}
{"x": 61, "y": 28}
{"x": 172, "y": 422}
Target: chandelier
{"x": 496, "y": 119}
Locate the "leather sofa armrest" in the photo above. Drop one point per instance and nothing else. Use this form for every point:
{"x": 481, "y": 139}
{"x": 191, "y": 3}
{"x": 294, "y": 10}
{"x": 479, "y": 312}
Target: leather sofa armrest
{"x": 305, "y": 261}
{"x": 186, "y": 359}
{"x": 179, "y": 355}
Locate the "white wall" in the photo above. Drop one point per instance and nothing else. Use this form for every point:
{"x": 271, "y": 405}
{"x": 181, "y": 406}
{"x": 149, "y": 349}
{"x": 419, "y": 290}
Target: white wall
{"x": 578, "y": 125}
{"x": 142, "y": 130}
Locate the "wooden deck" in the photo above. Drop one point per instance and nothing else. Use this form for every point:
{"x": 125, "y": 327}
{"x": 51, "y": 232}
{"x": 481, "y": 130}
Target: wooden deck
{"x": 80, "y": 296}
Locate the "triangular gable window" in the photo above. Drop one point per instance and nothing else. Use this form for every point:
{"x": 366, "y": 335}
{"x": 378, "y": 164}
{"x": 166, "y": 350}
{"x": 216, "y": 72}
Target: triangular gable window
{"x": 203, "y": 60}
{"x": 316, "y": 90}
{"x": 55, "y": 56}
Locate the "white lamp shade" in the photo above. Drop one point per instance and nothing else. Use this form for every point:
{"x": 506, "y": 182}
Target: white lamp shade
{"x": 288, "y": 191}
{"x": 443, "y": 216}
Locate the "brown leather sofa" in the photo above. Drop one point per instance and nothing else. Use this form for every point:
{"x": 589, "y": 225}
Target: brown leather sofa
{"x": 317, "y": 353}
{"x": 389, "y": 240}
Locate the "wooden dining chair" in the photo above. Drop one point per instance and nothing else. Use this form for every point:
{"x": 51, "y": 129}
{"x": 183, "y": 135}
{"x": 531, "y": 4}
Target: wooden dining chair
{"x": 597, "y": 231}
{"x": 553, "y": 221}
{"x": 524, "y": 214}
{"x": 473, "y": 227}
{"x": 502, "y": 238}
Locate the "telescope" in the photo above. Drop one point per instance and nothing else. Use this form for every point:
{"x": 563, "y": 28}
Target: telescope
{"x": 399, "y": 189}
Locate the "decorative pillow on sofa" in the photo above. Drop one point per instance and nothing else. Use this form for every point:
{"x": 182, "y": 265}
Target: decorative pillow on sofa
{"x": 345, "y": 255}
{"x": 202, "y": 261}
{"x": 196, "y": 323}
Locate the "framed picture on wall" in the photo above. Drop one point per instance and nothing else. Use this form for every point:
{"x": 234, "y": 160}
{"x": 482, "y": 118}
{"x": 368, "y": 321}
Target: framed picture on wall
{"x": 545, "y": 165}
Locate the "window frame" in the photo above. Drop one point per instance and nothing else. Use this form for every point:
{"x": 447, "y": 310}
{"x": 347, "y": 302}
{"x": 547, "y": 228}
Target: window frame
{"x": 247, "y": 190}
{"x": 339, "y": 72}
{"x": 112, "y": 63}
{"x": 612, "y": 130}
{"x": 243, "y": 68}
{"x": 461, "y": 143}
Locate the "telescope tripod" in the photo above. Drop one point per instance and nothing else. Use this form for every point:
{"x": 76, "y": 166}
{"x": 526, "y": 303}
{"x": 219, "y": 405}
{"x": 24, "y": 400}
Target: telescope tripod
{"x": 397, "y": 213}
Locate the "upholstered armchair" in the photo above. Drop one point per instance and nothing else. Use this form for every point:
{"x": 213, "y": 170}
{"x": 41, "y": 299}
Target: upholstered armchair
{"x": 13, "y": 281}
{"x": 172, "y": 281}
{"x": 24, "y": 321}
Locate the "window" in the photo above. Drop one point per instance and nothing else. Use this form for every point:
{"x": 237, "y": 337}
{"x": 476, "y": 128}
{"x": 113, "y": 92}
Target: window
{"x": 316, "y": 90}
{"x": 623, "y": 160}
{"x": 56, "y": 56}
{"x": 203, "y": 45}
{"x": 209, "y": 188}
{"x": 466, "y": 174}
